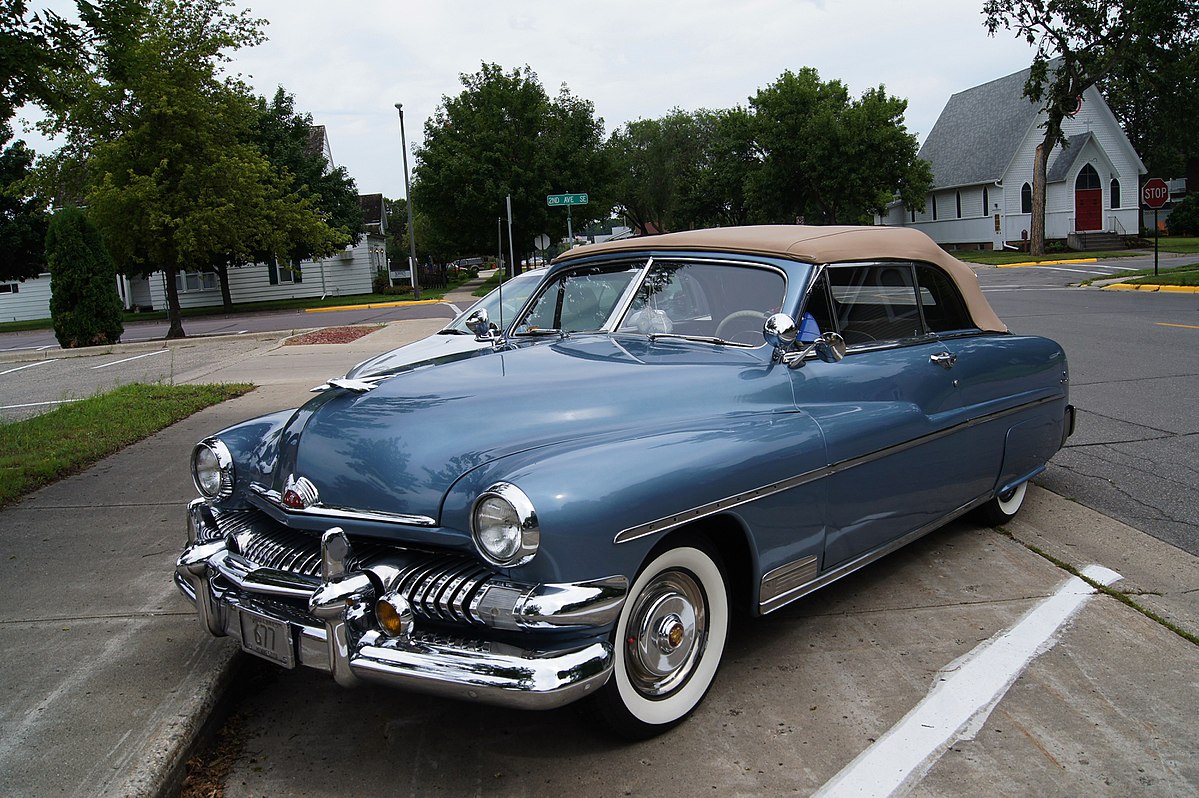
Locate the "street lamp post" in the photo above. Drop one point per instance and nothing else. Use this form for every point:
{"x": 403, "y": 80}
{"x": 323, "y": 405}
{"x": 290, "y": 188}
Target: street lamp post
{"x": 408, "y": 202}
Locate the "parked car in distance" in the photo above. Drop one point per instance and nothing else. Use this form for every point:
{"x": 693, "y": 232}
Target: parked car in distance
{"x": 456, "y": 339}
{"x": 672, "y": 427}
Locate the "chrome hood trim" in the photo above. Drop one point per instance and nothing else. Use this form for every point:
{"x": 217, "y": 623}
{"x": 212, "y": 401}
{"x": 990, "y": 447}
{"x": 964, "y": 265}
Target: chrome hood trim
{"x": 318, "y": 510}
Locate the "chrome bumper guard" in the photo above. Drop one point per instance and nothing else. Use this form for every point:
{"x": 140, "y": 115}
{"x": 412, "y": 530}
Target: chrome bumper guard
{"x": 338, "y": 633}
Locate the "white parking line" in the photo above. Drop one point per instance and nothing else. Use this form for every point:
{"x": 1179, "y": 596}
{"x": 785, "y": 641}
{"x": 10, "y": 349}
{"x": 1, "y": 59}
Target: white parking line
{"x": 126, "y": 360}
{"x": 960, "y": 701}
{"x": 39, "y": 404}
{"x": 29, "y": 366}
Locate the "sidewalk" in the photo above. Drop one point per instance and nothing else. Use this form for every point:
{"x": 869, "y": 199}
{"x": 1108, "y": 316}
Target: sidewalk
{"x": 106, "y": 679}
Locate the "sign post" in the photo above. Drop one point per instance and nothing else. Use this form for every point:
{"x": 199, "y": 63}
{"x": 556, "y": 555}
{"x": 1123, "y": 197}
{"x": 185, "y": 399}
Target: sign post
{"x": 1154, "y": 194}
{"x": 558, "y": 200}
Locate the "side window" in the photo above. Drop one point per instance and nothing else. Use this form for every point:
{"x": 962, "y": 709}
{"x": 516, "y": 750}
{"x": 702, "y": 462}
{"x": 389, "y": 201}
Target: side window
{"x": 577, "y": 301}
{"x": 943, "y": 306}
{"x": 874, "y": 302}
{"x": 817, "y": 316}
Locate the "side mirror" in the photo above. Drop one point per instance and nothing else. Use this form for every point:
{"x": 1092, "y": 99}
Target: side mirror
{"x": 780, "y": 331}
{"x": 480, "y": 324}
{"x": 830, "y": 347}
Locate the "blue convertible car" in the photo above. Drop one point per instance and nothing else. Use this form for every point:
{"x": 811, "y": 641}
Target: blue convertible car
{"x": 690, "y": 423}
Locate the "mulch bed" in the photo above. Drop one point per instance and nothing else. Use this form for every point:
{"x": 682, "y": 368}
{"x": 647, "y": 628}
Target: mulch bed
{"x": 333, "y": 335}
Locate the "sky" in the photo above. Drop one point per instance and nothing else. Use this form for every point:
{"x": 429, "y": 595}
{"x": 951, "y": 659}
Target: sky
{"x": 348, "y": 64}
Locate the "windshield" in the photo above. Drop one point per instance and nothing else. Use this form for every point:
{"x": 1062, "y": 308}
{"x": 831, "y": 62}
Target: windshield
{"x": 578, "y": 300}
{"x": 706, "y": 301}
{"x": 513, "y": 292}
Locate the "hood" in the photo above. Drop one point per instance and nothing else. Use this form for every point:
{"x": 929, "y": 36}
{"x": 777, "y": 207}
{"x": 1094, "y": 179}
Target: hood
{"x": 399, "y": 447}
{"x": 437, "y": 348}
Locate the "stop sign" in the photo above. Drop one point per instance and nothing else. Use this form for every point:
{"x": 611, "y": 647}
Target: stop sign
{"x": 1155, "y": 193}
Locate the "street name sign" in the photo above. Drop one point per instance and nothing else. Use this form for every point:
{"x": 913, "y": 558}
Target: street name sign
{"x": 555, "y": 200}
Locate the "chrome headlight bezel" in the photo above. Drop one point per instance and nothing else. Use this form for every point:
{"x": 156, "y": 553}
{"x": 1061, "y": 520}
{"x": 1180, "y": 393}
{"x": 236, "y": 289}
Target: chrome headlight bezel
{"x": 212, "y": 469}
{"x": 521, "y": 536}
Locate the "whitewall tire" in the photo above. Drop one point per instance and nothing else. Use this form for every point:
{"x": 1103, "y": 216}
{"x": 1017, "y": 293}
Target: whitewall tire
{"x": 668, "y": 643}
{"x": 1003, "y": 507}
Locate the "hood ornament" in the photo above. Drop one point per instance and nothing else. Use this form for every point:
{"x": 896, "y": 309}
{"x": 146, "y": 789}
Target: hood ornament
{"x": 351, "y": 384}
{"x": 299, "y": 493}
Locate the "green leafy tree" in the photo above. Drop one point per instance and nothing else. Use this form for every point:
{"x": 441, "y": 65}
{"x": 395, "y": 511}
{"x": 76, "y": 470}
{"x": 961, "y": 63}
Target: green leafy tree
{"x": 23, "y": 218}
{"x": 84, "y": 305}
{"x": 1157, "y": 102}
{"x": 503, "y": 135}
{"x": 160, "y": 145}
{"x": 829, "y": 158}
{"x": 1078, "y": 43}
{"x": 655, "y": 161}
{"x": 1184, "y": 218}
{"x": 33, "y": 47}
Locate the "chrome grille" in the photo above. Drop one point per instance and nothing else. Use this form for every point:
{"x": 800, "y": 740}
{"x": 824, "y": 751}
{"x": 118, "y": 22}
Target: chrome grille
{"x": 447, "y": 588}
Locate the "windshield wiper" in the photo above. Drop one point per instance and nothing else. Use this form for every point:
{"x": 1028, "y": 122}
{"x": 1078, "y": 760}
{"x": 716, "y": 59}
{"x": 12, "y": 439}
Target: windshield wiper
{"x": 706, "y": 339}
{"x": 542, "y": 331}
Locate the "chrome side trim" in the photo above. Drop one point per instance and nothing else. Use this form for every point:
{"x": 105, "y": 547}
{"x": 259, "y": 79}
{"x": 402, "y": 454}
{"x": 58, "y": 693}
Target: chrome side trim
{"x": 781, "y": 600}
{"x": 786, "y": 578}
{"x": 711, "y": 508}
{"x": 341, "y": 513}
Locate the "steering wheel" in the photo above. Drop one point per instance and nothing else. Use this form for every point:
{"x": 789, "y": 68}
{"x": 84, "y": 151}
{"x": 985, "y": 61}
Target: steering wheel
{"x": 736, "y": 323}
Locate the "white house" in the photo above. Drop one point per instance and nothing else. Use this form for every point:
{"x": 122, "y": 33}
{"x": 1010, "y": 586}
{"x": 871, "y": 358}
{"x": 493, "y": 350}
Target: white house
{"x": 25, "y": 301}
{"x": 981, "y": 150}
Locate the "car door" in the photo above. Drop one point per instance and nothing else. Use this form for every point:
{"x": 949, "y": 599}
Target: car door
{"x": 901, "y": 453}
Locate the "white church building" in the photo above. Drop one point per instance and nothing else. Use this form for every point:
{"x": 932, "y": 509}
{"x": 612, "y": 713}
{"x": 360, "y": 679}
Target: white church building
{"x": 981, "y": 150}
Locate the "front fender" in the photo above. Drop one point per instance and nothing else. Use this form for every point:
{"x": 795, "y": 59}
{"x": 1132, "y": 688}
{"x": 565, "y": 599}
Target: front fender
{"x": 587, "y": 493}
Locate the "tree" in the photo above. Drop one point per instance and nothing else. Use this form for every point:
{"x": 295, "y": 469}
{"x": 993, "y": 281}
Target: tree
{"x": 84, "y": 305}
{"x": 1078, "y": 43}
{"x": 828, "y": 158}
{"x": 503, "y": 135}
{"x": 32, "y": 49}
{"x": 161, "y": 145}
{"x": 1157, "y": 102}
{"x": 288, "y": 140}
{"x": 23, "y": 218}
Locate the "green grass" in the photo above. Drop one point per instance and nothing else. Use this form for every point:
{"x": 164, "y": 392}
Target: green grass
{"x": 40, "y": 450}
{"x": 1175, "y": 275}
{"x": 1182, "y": 244}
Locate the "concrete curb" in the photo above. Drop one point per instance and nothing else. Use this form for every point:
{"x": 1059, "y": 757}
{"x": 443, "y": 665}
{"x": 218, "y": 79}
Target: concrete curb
{"x": 1149, "y": 287}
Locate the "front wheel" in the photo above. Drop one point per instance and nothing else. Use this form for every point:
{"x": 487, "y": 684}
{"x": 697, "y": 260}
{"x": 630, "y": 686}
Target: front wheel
{"x": 1003, "y": 508}
{"x": 668, "y": 643}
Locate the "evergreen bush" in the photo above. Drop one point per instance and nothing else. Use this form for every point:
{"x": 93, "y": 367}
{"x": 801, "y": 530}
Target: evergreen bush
{"x": 84, "y": 305}
{"x": 1184, "y": 219}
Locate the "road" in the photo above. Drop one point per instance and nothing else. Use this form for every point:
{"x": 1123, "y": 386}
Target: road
{"x": 1134, "y": 362}
{"x": 28, "y": 387}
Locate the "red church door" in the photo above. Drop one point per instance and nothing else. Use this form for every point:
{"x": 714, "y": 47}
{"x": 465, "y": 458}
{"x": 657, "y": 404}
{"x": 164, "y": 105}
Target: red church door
{"x": 1088, "y": 200}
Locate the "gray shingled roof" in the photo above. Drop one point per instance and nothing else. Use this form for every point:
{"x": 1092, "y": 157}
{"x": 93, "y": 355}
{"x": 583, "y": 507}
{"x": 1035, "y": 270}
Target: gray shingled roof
{"x": 978, "y": 133}
{"x": 1067, "y": 156}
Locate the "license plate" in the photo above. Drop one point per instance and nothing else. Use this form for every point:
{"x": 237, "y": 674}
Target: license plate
{"x": 267, "y": 638}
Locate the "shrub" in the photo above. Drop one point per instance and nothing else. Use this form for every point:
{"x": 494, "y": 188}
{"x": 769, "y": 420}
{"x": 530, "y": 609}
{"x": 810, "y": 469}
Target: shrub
{"x": 84, "y": 306}
{"x": 1184, "y": 219}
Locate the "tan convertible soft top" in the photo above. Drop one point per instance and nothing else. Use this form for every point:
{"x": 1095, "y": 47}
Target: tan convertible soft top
{"x": 813, "y": 244}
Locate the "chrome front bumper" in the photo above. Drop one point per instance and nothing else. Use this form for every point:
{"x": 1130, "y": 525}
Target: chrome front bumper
{"x": 330, "y": 626}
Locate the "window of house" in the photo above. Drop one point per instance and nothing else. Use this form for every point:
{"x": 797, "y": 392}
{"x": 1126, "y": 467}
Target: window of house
{"x": 986, "y": 202}
{"x": 285, "y": 275}
{"x": 934, "y": 204}
{"x": 196, "y": 281}
{"x": 913, "y": 211}
{"x": 1115, "y": 192}
{"x": 959, "y": 204}
{"x": 10, "y": 288}
{"x": 1026, "y": 198}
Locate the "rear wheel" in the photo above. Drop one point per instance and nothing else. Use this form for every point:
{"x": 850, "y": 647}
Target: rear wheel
{"x": 668, "y": 643}
{"x": 1003, "y": 507}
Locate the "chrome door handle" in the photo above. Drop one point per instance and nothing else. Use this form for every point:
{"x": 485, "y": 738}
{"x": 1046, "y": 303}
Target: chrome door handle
{"x": 945, "y": 360}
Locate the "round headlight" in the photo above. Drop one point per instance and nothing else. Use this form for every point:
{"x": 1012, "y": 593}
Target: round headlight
{"x": 212, "y": 469}
{"x": 505, "y": 527}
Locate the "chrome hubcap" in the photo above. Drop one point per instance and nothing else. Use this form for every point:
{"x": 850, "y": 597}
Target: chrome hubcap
{"x": 667, "y": 630}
